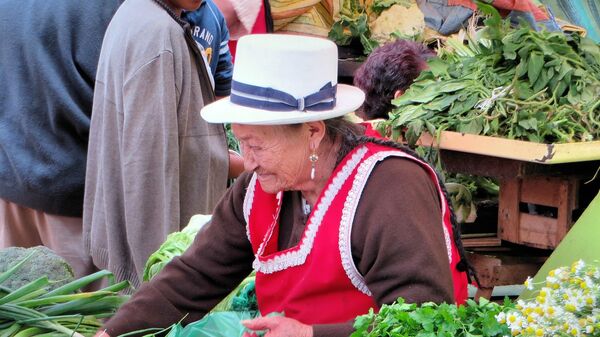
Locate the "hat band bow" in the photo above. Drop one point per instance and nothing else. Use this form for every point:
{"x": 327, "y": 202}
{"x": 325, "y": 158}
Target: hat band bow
{"x": 276, "y": 100}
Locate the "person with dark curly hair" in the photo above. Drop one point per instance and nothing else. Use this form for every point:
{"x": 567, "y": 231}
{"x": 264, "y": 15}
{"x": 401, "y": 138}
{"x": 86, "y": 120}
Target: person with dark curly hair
{"x": 387, "y": 73}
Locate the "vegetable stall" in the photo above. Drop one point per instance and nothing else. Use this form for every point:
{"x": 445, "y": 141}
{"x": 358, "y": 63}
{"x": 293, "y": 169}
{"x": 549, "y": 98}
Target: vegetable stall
{"x": 506, "y": 109}
{"x": 519, "y": 106}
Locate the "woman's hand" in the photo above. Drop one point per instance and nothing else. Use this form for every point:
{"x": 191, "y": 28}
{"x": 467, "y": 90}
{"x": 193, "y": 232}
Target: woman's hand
{"x": 278, "y": 326}
{"x": 101, "y": 333}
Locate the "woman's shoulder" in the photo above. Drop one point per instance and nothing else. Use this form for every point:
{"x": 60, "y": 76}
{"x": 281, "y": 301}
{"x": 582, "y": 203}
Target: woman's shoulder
{"x": 401, "y": 175}
{"x": 401, "y": 165}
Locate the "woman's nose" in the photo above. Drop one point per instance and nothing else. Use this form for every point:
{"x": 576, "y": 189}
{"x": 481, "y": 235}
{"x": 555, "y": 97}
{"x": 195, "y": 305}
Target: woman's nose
{"x": 249, "y": 161}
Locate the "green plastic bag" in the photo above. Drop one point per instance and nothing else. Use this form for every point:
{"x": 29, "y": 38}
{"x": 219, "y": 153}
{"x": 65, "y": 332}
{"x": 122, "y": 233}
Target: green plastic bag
{"x": 215, "y": 324}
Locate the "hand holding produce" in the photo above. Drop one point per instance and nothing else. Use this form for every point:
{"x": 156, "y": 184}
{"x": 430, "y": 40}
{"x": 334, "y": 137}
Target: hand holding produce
{"x": 278, "y": 326}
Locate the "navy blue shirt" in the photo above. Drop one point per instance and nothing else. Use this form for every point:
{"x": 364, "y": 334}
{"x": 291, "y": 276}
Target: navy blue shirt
{"x": 212, "y": 37}
{"x": 48, "y": 57}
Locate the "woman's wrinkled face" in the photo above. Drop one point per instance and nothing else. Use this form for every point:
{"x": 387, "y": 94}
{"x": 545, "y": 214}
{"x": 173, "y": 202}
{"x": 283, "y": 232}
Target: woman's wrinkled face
{"x": 277, "y": 154}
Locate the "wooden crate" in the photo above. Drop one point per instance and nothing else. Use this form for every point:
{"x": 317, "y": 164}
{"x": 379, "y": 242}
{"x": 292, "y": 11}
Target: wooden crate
{"x": 523, "y": 183}
{"x": 528, "y": 228}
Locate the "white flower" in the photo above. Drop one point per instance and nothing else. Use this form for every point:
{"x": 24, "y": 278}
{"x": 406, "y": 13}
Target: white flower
{"x": 501, "y": 317}
{"x": 578, "y": 267}
{"x": 529, "y": 283}
{"x": 567, "y": 306}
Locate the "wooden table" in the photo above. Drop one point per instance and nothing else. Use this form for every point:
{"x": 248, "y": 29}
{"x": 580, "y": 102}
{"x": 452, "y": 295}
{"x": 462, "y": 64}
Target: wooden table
{"x": 545, "y": 176}
{"x": 539, "y": 190}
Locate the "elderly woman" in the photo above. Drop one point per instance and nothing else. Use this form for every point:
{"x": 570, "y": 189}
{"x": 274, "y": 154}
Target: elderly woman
{"x": 333, "y": 223}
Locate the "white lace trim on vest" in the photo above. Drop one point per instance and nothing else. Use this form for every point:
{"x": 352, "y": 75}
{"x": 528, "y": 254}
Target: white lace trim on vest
{"x": 349, "y": 211}
{"x": 298, "y": 256}
{"x": 248, "y": 199}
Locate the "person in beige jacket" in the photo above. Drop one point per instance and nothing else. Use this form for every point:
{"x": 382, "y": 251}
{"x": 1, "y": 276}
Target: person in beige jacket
{"x": 153, "y": 162}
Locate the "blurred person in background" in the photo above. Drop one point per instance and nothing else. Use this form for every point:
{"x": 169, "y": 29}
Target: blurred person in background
{"x": 153, "y": 162}
{"x": 245, "y": 17}
{"x": 386, "y": 74}
{"x": 48, "y": 54}
{"x": 210, "y": 32}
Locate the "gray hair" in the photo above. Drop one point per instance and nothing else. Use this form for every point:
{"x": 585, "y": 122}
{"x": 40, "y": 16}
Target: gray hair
{"x": 345, "y": 132}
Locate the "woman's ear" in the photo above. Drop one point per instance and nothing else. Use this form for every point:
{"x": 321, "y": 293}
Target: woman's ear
{"x": 398, "y": 93}
{"x": 316, "y": 132}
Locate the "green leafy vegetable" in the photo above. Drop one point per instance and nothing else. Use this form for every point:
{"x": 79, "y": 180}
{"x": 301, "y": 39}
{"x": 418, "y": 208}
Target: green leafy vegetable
{"x": 379, "y": 6}
{"x": 175, "y": 244}
{"x": 513, "y": 82}
{"x": 433, "y": 320}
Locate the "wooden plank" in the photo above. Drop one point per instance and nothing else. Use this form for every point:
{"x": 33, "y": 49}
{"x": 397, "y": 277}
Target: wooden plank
{"x": 508, "y": 209}
{"x": 514, "y": 149}
{"x": 492, "y": 241}
{"x": 538, "y": 231}
{"x": 487, "y": 166}
{"x": 550, "y": 191}
{"x": 485, "y": 266}
{"x": 483, "y": 292}
{"x": 566, "y": 203}
{"x": 516, "y": 274}
{"x": 541, "y": 191}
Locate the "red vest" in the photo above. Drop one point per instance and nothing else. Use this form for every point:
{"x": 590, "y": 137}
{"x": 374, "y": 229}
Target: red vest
{"x": 316, "y": 281}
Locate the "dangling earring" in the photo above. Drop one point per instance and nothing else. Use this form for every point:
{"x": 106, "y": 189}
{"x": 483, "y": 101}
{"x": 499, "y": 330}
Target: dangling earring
{"x": 313, "y": 163}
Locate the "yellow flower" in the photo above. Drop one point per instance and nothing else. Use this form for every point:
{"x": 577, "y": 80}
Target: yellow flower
{"x": 570, "y": 307}
{"x": 539, "y": 332}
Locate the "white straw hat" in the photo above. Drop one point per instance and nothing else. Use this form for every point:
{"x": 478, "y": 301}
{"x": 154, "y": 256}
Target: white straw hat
{"x": 284, "y": 79}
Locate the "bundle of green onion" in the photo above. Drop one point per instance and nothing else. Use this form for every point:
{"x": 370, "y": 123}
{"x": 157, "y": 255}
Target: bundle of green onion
{"x": 34, "y": 310}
